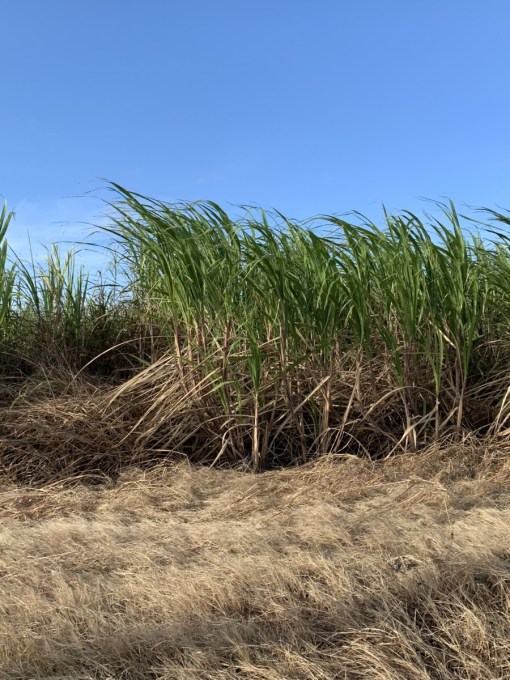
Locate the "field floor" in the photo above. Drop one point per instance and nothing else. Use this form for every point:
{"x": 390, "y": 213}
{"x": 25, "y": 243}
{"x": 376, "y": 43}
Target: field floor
{"x": 339, "y": 569}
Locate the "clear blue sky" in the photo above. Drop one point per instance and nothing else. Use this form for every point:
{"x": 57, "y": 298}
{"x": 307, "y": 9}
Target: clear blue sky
{"x": 308, "y": 107}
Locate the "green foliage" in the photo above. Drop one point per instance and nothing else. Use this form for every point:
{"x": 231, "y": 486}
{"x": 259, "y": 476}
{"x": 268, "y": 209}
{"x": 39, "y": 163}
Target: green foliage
{"x": 405, "y": 313}
{"x": 301, "y": 338}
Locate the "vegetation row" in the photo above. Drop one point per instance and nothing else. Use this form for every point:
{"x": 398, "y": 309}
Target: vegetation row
{"x": 262, "y": 341}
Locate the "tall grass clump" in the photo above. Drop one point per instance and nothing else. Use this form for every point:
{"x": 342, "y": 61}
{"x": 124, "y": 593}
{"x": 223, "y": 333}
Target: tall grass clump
{"x": 286, "y": 340}
{"x": 55, "y": 317}
{"x": 261, "y": 341}
{"x": 7, "y": 275}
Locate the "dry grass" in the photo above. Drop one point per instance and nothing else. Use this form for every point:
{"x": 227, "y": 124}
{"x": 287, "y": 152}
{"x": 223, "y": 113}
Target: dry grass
{"x": 339, "y": 569}
{"x": 257, "y": 344}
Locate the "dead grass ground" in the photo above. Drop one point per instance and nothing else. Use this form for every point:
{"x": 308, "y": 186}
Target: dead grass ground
{"x": 340, "y": 569}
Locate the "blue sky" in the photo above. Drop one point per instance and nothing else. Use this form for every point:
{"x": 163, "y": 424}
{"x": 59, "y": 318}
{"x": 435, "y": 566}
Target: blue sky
{"x": 307, "y": 107}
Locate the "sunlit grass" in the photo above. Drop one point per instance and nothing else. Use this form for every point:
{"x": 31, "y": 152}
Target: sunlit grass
{"x": 269, "y": 341}
{"x": 257, "y": 343}
{"x": 367, "y": 338}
